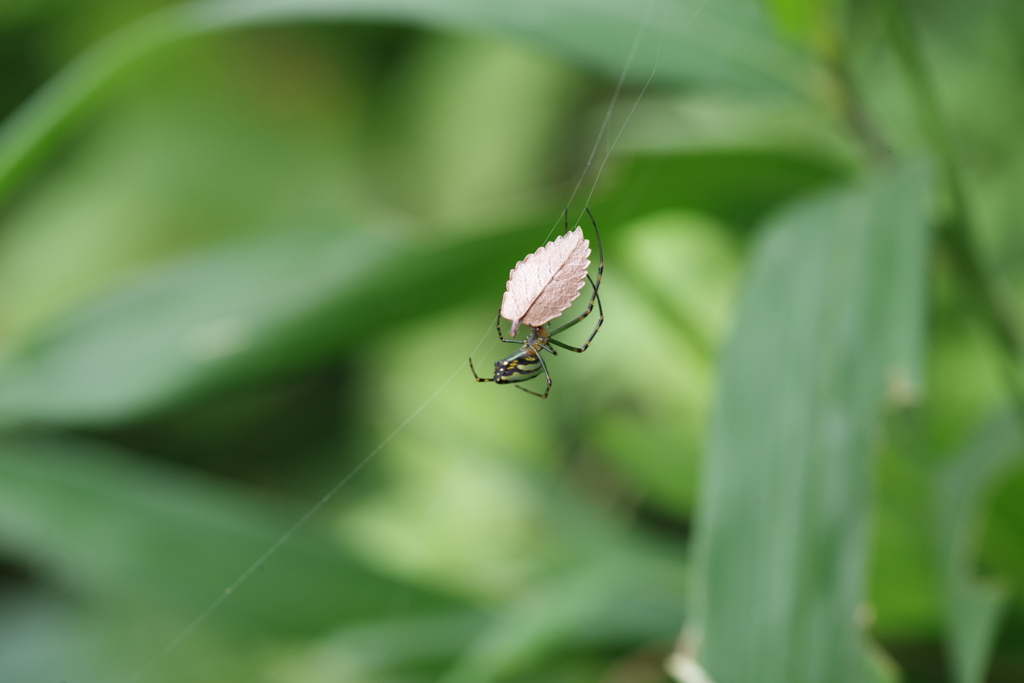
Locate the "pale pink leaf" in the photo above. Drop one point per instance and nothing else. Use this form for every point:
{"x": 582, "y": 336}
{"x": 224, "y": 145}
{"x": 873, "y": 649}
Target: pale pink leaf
{"x": 547, "y": 281}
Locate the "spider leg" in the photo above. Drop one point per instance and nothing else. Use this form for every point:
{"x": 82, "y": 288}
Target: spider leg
{"x": 595, "y": 285}
{"x": 590, "y": 306}
{"x": 600, "y": 250}
{"x": 593, "y": 334}
{"x": 547, "y": 376}
{"x": 497, "y": 325}
{"x": 596, "y": 297}
{"x": 547, "y": 347}
{"x": 478, "y": 377}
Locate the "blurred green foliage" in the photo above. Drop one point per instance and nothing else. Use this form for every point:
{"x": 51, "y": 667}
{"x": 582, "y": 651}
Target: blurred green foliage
{"x": 246, "y": 247}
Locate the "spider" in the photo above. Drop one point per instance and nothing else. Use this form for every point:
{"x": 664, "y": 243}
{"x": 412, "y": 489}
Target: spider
{"x": 527, "y": 362}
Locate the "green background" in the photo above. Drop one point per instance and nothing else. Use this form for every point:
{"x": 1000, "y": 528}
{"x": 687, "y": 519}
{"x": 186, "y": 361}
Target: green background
{"x": 247, "y": 247}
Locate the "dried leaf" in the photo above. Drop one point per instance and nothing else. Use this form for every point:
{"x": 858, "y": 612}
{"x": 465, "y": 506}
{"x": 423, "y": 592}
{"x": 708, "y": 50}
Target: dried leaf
{"x": 547, "y": 281}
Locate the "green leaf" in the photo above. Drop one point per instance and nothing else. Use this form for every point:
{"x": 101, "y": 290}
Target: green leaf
{"x": 833, "y": 307}
{"x": 727, "y": 42}
{"x": 972, "y": 607}
{"x": 800, "y": 19}
{"x": 143, "y": 550}
{"x": 715, "y": 122}
{"x": 620, "y": 590}
{"x": 610, "y": 601}
{"x": 375, "y": 650}
{"x": 229, "y": 316}
{"x": 127, "y": 527}
{"x": 199, "y": 323}
{"x": 721, "y": 43}
{"x": 738, "y": 186}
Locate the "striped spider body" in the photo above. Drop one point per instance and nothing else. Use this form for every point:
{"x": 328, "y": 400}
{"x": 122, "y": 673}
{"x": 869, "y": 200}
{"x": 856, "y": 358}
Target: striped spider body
{"x": 527, "y": 362}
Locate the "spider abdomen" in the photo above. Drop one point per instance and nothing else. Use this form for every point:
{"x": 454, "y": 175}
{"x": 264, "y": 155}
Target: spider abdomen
{"x": 518, "y": 367}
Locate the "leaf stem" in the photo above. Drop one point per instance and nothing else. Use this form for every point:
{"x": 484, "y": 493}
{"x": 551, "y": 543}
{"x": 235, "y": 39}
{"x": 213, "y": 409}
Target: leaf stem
{"x": 849, "y": 103}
